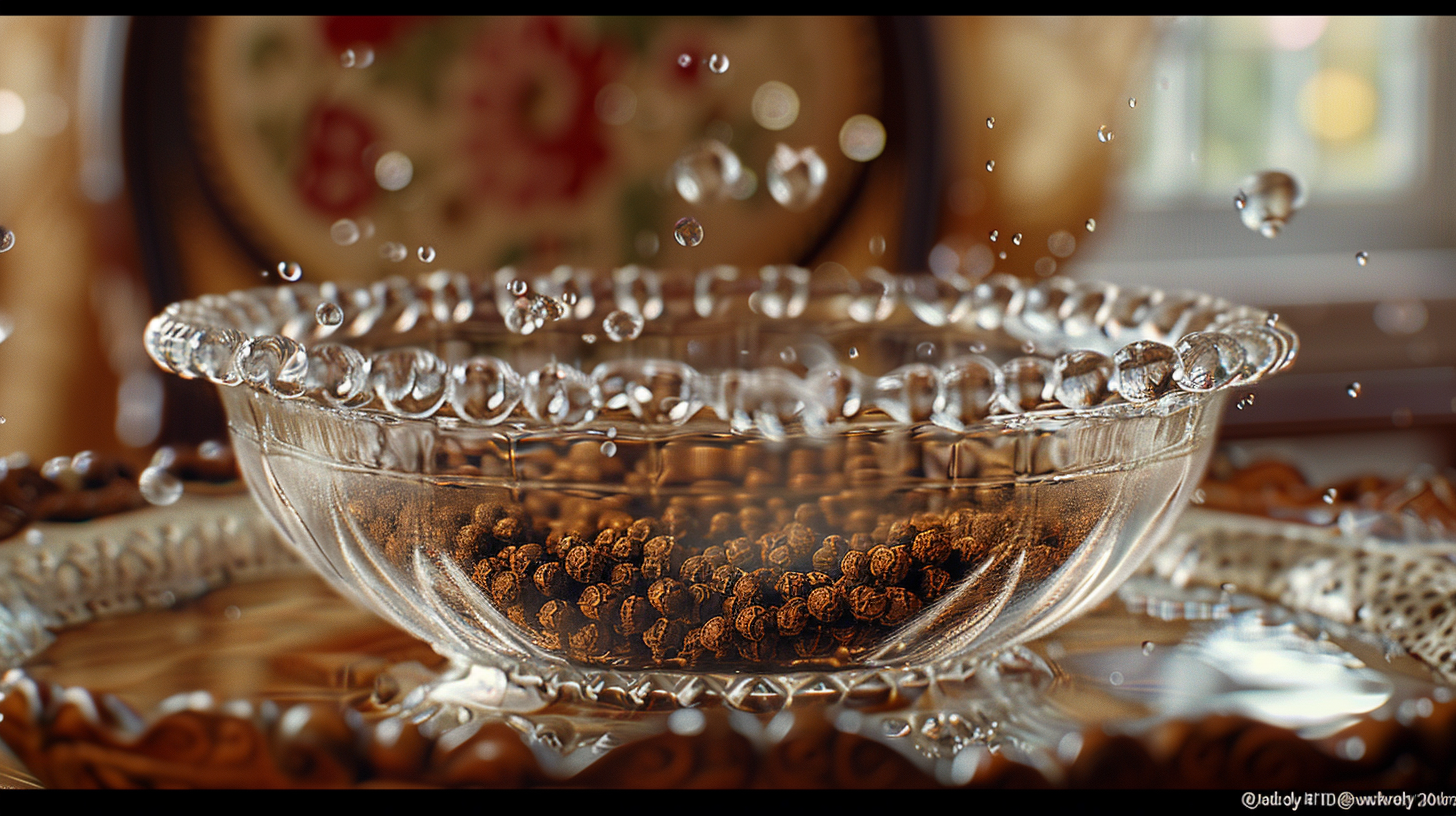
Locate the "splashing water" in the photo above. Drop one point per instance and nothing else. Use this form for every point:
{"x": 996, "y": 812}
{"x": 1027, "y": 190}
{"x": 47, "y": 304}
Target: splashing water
{"x": 994, "y": 235}
{"x": 160, "y": 487}
{"x": 426, "y": 254}
{"x": 1016, "y": 239}
{"x": 520, "y": 318}
{"x": 688, "y": 232}
{"x": 1104, "y": 134}
{"x": 718, "y": 63}
{"x": 796, "y": 177}
{"x": 344, "y": 232}
{"x": 707, "y": 171}
{"x": 1091, "y": 225}
{"x": 516, "y": 287}
{"x": 622, "y": 325}
{"x": 328, "y": 314}
{"x": 1362, "y": 258}
{"x": 1270, "y": 200}
{"x": 609, "y": 448}
{"x": 990, "y": 165}
{"x": 1246, "y": 401}
{"x": 289, "y": 271}
{"x": 990, "y": 122}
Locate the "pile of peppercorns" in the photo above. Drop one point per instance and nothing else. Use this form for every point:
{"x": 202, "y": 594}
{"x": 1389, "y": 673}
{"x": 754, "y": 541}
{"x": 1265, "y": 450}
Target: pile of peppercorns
{"x": 659, "y": 591}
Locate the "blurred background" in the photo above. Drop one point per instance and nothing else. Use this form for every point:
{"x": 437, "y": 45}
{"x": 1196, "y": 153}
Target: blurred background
{"x": 149, "y": 159}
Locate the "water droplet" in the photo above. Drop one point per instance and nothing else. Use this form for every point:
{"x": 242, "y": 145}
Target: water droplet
{"x": 160, "y": 487}
{"x": 1016, "y": 239}
{"x": 588, "y": 339}
{"x": 289, "y": 271}
{"x": 1199, "y": 497}
{"x": 775, "y": 105}
{"x": 853, "y": 353}
{"x": 788, "y": 355}
{"x": 360, "y": 56}
{"x": 1115, "y": 678}
{"x": 520, "y": 318}
{"x": 688, "y": 232}
{"x": 1241, "y": 201}
{"x": 1145, "y": 370}
{"x": 990, "y": 165}
{"x": 1362, "y": 258}
{"x": 796, "y": 177}
{"x": 426, "y": 254}
{"x": 877, "y": 245}
{"x": 1104, "y": 134}
{"x": 707, "y": 171}
{"x": 344, "y": 232}
{"x": 622, "y": 325}
{"x": 994, "y": 235}
{"x": 410, "y": 381}
{"x": 1083, "y": 378}
{"x": 609, "y": 448}
{"x": 328, "y": 314}
{"x": 1328, "y": 497}
{"x": 484, "y": 390}
{"x": 1270, "y": 200}
{"x": 1148, "y": 647}
{"x": 393, "y": 251}
{"x": 1228, "y": 587}
{"x": 347, "y": 59}
{"x": 612, "y": 432}
{"x": 1132, "y": 102}
{"x": 516, "y": 287}
{"x": 990, "y": 122}
{"x": 394, "y": 171}
{"x": 925, "y": 350}
{"x": 1091, "y": 225}
{"x": 561, "y": 395}
{"x": 1246, "y": 401}
{"x": 1211, "y": 360}
{"x": 718, "y": 63}
{"x": 684, "y": 60}
{"x": 862, "y": 138}
{"x": 1001, "y": 254}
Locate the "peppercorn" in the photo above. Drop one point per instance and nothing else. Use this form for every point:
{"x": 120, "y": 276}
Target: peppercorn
{"x": 800, "y": 539}
{"x": 902, "y": 604}
{"x": 890, "y": 565}
{"x": 867, "y": 603}
{"x": 599, "y": 602}
{"x": 586, "y": 564}
{"x": 640, "y": 530}
{"x": 813, "y": 641}
{"x": 826, "y": 603}
{"x": 664, "y": 637}
{"x": 525, "y": 558}
{"x": 624, "y": 577}
{"x": 695, "y": 570}
{"x": 509, "y": 530}
{"x": 715, "y": 556}
{"x": 716, "y": 635}
{"x": 742, "y": 553}
{"x": 934, "y": 582}
{"x": 669, "y": 597}
{"x": 551, "y": 580}
{"x": 557, "y": 616}
{"x": 793, "y": 616}
{"x": 505, "y": 588}
{"x": 855, "y": 566}
{"x": 635, "y": 615}
{"x": 724, "y": 578}
{"x": 590, "y": 640}
{"x": 931, "y": 547}
{"x": 792, "y": 585}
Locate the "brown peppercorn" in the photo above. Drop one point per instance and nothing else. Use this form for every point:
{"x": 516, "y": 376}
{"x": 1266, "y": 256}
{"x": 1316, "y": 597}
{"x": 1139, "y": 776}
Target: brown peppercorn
{"x": 758, "y": 651}
{"x": 817, "y": 579}
{"x": 809, "y": 515}
{"x": 502, "y": 559}
{"x": 793, "y": 616}
{"x": 792, "y": 585}
{"x": 702, "y": 597}
{"x": 901, "y": 606}
{"x": 742, "y": 553}
{"x": 625, "y": 577}
{"x": 664, "y": 637}
{"x": 509, "y": 530}
{"x": 586, "y": 564}
{"x": 826, "y": 603}
{"x": 635, "y": 616}
{"x": 669, "y": 597}
{"x": 890, "y": 565}
{"x": 716, "y": 635}
{"x": 862, "y": 542}
{"x": 800, "y": 539}
{"x": 599, "y": 602}
{"x": 661, "y": 546}
{"x": 781, "y": 557}
{"x": 640, "y": 530}
{"x": 729, "y": 606}
{"x": 551, "y": 580}
{"x": 724, "y": 578}
{"x": 934, "y": 582}
{"x": 855, "y": 566}
{"x": 747, "y": 590}
{"x": 626, "y": 549}
{"x": 505, "y": 588}
{"x": 867, "y": 603}
{"x": 715, "y": 556}
{"x": 565, "y": 544}
{"x": 487, "y": 514}
{"x": 525, "y": 559}
{"x": 931, "y": 547}
{"x": 590, "y": 640}
{"x": 472, "y": 543}
{"x": 550, "y": 641}
{"x": 969, "y": 550}
{"x": 722, "y": 526}
{"x": 656, "y": 566}
{"x": 902, "y": 534}
{"x": 678, "y": 522}
{"x": 517, "y": 614}
{"x": 827, "y": 560}
{"x": 558, "y": 616}
{"x": 695, "y": 570}
{"x": 480, "y": 576}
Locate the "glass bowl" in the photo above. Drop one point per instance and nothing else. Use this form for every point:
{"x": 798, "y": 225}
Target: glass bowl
{"x": 699, "y": 481}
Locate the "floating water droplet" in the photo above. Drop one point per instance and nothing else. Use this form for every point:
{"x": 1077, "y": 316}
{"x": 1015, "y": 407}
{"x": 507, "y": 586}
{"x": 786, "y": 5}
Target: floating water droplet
{"x": 1091, "y": 225}
{"x": 328, "y": 314}
{"x": 1228, "y": 587}
{"x": 1016, "y": 239}
{"x": 360, "y": 56}
{"x": 1246, "y": 401}
{"x": 1241, "y": 201}
{"x": 994, "y": 235}
{"x": 707, "y": 171}
{"x": 7, "y": 327}
{"x": 588, "y": 339}
{"x": 612, "y": 432}
{"x": 1353, "y": 389}
{"x": 877, "y": 245}
{"x": 1001, "y": 254}
{"x": 1104, "y": 134}
{"x": 394, "y": 171}
{"x": 1199, "y": 497}
{"x": 925, "y": 350}
{"x": 1083, "y": 378}
{"x": 1145, "y": 370}
{"x": 718, "y": 63}
{"x": 160, "y": 487}
{"x": 1328, "y": 497}
{"x": 347, "y": 59}
{"x": 623, "y": 325}
{"x": 990, "y": 165}
{"x": 344, "y": 232}
{"x": 1148, "y": 647}
{"x": 520, "y": 318}
{"x": 393, "y": 251}
{"x": 609, "y": 448}
{"x": 426, "y": 254}
{"x": 1115, "y": 678}
{"x": 1270, "y": 200}
{"x": 853, "y": 353}
{"x": 516, "y": 287}
{"x": 688, "y": 232}
{"x": 775, "y": 105}
{"x": 990, "y": 122}
{"x": 1132, "y": 102}
{"x": 1028, "y": 347}
{"x": 862, "y": 138}
{"x": 796, "y": 177}
{"x": 1211, "y": 360}
{"x": 289, "y": 270}
{"x": 684, "y": 60}
{"x": 1362, "y": 258}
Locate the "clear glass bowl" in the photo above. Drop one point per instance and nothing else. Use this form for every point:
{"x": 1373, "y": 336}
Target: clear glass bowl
{"x": 721, "y": 479}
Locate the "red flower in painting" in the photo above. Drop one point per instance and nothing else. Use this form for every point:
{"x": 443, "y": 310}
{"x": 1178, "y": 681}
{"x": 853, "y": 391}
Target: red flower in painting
{"x": 333, "y": 179}
{"x": 534, "y": 134}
